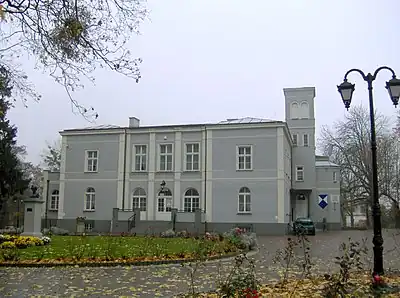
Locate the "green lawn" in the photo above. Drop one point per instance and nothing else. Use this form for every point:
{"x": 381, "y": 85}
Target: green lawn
{"x": 64, "y": 248}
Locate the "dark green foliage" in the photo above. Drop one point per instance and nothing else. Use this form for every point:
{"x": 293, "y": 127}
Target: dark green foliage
{"x": 11, "y": 174}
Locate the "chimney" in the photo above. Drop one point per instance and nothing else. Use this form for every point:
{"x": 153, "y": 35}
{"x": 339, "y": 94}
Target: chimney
{"x": 134, "y": 122}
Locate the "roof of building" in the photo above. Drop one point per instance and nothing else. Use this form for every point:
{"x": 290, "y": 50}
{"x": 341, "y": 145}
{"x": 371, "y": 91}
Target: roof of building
{"x": 105, "y": 126}
{"x": 325, "y": 163}
{"x": 245, "y": 120}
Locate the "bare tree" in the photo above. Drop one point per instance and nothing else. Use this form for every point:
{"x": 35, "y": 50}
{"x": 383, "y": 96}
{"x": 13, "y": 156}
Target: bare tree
{"x": 69, "y": 39}
{"x": 52, "y": 156}
{"x": 349, "y": 142}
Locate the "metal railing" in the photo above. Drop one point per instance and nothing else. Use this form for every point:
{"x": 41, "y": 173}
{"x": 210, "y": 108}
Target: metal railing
{"x": 131, "y": 222}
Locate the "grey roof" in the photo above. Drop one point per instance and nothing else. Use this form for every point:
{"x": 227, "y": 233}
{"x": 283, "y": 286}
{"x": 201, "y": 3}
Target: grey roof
{"x": 325, "y": 163}
{"x": 245, "y": 120}
{"x": 105, "y": 126}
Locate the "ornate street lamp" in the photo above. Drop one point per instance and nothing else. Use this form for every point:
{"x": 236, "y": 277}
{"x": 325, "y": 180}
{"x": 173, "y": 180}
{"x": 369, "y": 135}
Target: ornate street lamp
{"x": 346, "y": 90}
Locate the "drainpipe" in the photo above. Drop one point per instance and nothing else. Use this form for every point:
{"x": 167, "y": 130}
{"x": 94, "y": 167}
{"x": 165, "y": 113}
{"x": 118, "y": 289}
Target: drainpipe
{"x": 205, "y": 178}
{"x": 124, "y": 173}
{"x": 47, "y": 203}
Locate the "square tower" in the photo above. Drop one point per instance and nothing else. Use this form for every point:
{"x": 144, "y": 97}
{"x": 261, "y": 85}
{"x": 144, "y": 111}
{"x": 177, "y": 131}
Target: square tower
{"x": 299, "y": 114}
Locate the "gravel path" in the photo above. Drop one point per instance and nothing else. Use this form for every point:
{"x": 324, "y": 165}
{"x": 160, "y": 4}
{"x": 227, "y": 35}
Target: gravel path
{"x": 169, "y": 280}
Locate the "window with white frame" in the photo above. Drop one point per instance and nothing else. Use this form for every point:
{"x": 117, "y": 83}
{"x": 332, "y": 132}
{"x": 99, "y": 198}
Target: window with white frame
{"x": 192, "y": 157}
{"x": 164, "y": 200}
{"x": 299, "y": 173}
{"x": 140, "y": 158}
{"x": 191, "y": 200}
{"x": 244, "y": 158}
{"x": 334, "y": 174}
{"x": 166, "y": 157}
{"x": 54, "y": 200}
{"x": 295, "y": 139}
{"x": 139, "y": 199}
{"x": 305, "y": 140}
{"x": 90, "y": 199}
{"x": 88, "y": 226}
{"x": 92, "y": 160}
{"x": 244, "y": 200}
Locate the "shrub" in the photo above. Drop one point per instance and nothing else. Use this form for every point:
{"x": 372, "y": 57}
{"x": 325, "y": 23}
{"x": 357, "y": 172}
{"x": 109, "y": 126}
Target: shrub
{"x": 168, "y": 234}
{"x": 242, "y": 239}
{"x": 46, "y": 240}
{"x": 7, "y": 245}
{"x": 59, "y": 231}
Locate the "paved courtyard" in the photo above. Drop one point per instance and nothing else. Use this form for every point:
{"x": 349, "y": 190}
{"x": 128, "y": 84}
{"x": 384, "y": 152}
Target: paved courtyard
{"x": 166, "y": 281}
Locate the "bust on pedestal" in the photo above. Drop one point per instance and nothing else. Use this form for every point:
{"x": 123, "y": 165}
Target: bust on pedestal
{"x": 33, "y": 214}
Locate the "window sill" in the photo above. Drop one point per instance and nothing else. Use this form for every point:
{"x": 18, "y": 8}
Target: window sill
{"x": 53, "y": 210}
{"x": 139, "y": 172}
{"x": 89, "y": 210}
{"x": 191, "y": 171}
{"x": 246, "y": 170}
{"x": 166, "y": 171}
{"x": 90, "y": 172}
{"x": 244, "y": 213}
{"x": 299, "y": 180}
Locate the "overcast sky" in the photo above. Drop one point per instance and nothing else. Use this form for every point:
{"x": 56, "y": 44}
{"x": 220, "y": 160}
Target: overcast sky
{"x": 208, "y": 60}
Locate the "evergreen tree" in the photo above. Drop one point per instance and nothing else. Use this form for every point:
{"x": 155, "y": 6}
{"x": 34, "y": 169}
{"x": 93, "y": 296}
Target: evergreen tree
{"x": 11, "y": 174}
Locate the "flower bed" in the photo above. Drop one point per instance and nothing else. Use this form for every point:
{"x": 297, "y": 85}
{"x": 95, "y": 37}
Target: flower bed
{"x": 13, "y": 241}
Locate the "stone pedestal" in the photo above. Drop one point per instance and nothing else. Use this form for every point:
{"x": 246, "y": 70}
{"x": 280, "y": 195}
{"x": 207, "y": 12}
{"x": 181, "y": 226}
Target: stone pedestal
{"x": 33, "y": 217}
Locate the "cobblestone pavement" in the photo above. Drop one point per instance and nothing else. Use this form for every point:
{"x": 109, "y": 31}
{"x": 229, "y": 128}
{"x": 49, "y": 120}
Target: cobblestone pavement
{"x": 166, "y": 281}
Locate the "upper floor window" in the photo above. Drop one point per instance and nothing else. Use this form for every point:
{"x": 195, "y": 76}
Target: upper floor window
{"x": 244, "y": 200}
{"x": 140, "y": 158}
{"x": 305, "y": 140}
{"x": 164, "y": 200}
{"x": 55, "y": 199}
{"x": 295, "y": 139}
{"x": 334, "y": 174}
{"x": 139, "y": 199}
{"x": 92, "y": 160}
{"x": 299, "y": 173}
{"x": 192, "y": 158}
{"x": 166, "y": 157}
{"x": 191, "y": 200}
{"x": 90, "y": 199}
{"x": 294, "y": 110}
{"x": 244, "y": 158}
{"x": 304, "y": 110}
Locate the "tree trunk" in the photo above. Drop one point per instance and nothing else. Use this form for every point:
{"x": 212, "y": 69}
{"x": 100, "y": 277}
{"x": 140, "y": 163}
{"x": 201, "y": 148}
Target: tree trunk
{"x": 396, "y": 211}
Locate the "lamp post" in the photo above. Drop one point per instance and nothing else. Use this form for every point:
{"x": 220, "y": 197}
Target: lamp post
{"x": 346, "y": 90}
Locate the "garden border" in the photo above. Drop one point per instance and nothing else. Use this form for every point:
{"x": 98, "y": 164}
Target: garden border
{"x": 119, "y": 263}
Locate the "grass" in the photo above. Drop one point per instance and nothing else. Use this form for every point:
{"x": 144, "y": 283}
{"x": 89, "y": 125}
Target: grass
{"x": 109, "y": 248}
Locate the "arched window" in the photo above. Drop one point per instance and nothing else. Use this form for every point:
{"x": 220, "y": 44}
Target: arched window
{"x": 191, "y": 200}
{"x": 244, "y": 200}
{"x": 55, "y": 198}
{"x": 294, "y": 110}
{"x": 139, "y": 200}
{"x": 90, "y": 199}
{"x": 164, "y": 200}
{"x": 304, "y": 110}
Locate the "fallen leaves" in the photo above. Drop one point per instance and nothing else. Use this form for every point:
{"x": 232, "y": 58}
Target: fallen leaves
{"x": 359, "y": 286}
